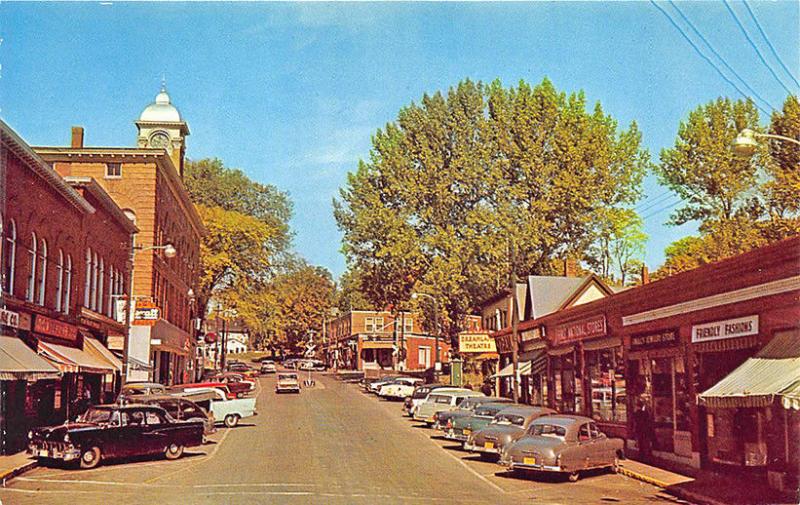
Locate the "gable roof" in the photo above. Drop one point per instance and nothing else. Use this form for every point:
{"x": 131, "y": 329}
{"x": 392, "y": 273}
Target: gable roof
{"x": 549, "y": 294}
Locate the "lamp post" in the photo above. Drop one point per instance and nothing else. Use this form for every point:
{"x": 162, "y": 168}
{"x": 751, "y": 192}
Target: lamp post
{"x": 746, "y": 142}
{"x": 435, "y": 330}
{"x": 169, "y": 252}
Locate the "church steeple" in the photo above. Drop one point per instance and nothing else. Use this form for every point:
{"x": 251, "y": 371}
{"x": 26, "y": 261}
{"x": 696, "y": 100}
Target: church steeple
{"x": 161, "y": 126}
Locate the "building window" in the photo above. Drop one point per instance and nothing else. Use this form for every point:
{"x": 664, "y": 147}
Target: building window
{"x": 42, "y": 272}
{"x": 607, "y": 382}
{"x": 113, "y": 170}
{"x": 87, "y": 287}
{"x": 10, "y": 258}
{"x": 424, "y": 357}
{"x": 408, "y": 325}
{"x": 369, "y": 324}
{"x": 95, "y": 275}
{"x": 30, "y": 293}
{"x": 110, "y": 295}
{"x": 59, "y": 279}
{"x": 100, "y": 285}
{"x": 67, "y": 286}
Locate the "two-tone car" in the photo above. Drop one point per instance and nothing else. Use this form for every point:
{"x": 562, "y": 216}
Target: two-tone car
{"x": 419, "y": 396}
{"x": 226, "y": 411}
{"x": 399, "y": 389}
{"x": 287, "y": 383}
{"x": 507, "y": 425}
{"x": 564, "y": 444}
{"x": 115, "y": 431}
{"x": 461, "y": 427}
{"x": 441, "y": 400}
{"x": 466, "y": 409}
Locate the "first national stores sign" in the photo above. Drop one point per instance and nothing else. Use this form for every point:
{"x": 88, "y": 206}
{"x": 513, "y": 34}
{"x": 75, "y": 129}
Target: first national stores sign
{"x": 55, "y": 328}
{"x": 579, "y": 330}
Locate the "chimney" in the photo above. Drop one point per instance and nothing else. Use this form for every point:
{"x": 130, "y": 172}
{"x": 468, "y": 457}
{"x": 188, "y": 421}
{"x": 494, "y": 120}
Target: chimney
{"x": 645, "y": 275}
{"x": 77, "y": 137}
{"x": 570, "y": 267}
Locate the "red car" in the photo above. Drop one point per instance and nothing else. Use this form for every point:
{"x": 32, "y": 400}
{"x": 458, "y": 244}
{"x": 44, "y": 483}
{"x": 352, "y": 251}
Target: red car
{"x": 234, "y": 378}
{"x": 231, "y": 392}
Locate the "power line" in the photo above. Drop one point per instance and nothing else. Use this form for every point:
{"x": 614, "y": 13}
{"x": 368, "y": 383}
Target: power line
{"x": 715, "y": 53}
{"x": 706, "y": 58}
{"x": 755, "y": 48}
{"x": 654, "y": 201}
{"x": 769, "y": 44}
{"x": 662, "y": 209}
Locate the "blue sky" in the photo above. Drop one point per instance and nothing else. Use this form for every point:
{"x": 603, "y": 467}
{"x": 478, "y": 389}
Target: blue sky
{"x": 291, "y": 93}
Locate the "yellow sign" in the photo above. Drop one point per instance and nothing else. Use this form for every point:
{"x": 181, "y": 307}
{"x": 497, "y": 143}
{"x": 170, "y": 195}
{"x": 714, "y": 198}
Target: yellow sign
{"x": 476, "y": 342}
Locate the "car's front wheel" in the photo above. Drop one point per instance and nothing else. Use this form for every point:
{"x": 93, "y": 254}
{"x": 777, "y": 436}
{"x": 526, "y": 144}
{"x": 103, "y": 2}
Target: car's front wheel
{"x": 91, "y": 457}
{"x": 231, "y": 420}
{"x": 174, "y": 451}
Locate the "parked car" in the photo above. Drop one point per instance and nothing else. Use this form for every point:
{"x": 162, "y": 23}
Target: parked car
{"x": 114, "y": 431}
{"x": 180, "y": 409}
{"x": 564, "y": 444}
{"x": 142, "y": 388}
{"x": 241, "y": 367}
{"x": 194, "y": 386}
{"x": 419, "y": 395}
{"x": 442, "y": 400}
{"x": 237, "y": 383}
{"x": 226, "y": 411}
{"x": 268, "y": 366}
{"x": 461, "y": 427}
{"x": 508, "y": 425}
{"x": 287, "y": 382}
{"x": 313, "y": 364}
{"x": 466, "y": 409}
{"x": 372, "y": 385}
{"x": 400, "y": 388}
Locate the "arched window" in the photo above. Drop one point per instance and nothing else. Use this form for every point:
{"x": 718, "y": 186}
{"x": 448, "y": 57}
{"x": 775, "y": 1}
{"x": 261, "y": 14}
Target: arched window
{"x": 95, "y": 272}
{"x": 42, "y": 271}
{"x": 110, "y": 295}
{"x": 30, "y": 293}
{"x": 9, "y": 267}
{"x": 67, "y": 286}
{"x": 100, "y": 284}
{"x": 59, "y": 279}
{"x": 87, "y": 285}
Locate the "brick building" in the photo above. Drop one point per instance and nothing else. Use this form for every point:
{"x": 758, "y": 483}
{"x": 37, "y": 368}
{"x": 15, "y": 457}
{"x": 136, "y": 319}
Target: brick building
{"x": 64, "y": 252}
{"x": 146, "y": 182}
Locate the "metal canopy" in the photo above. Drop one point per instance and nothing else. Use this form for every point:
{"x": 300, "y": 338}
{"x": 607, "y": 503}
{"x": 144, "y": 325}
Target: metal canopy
{"x": 19, "y": 362}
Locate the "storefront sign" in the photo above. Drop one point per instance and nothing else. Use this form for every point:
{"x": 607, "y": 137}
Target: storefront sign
{"x": 476, "y": 342}
{"x": 146, "y": 313}
{"x": 652, "y": 340}
{"x": 532, "y": 334}
{"x": 8, "y": 318}
{"x": 730, "y": 328}
{"x": 572, "y": 332}
{"x": 55, "y": 328}
{"x": 505, "y": 343}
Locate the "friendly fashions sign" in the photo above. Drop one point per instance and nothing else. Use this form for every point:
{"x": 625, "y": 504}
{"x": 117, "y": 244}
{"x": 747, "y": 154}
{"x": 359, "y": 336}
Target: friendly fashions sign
{"x": 730, "y": 328}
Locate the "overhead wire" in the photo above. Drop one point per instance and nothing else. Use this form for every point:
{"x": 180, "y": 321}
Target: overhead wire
{"x": 662, "y": 209}
{"x": 706, "y": 58}
{"x": 755, "y": 47}
{"x": 719, "y": 56}
{"x": 769, "y": 44}
{"x": 649, "y": 204}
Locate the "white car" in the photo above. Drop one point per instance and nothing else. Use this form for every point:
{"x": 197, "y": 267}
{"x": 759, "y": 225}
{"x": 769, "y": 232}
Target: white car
{"x": 422, "y": 393}
{"x": 287, "y": 382}
{"x": 399, "y": 388}
{"x": 225, "y": 411}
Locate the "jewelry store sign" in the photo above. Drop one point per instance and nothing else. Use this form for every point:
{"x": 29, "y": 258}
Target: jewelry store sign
{"x": 730, "y": 328}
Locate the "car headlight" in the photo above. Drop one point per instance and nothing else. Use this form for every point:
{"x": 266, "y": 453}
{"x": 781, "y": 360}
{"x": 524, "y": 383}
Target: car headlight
{"x": 30, "y": 435}
{"x": 66, "y": 437}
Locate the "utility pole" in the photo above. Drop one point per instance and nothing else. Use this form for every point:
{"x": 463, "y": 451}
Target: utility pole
{"x": 514, "y": 322}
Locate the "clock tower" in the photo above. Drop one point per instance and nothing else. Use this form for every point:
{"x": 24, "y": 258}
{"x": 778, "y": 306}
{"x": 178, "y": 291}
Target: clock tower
{"x": 161, "y": 127}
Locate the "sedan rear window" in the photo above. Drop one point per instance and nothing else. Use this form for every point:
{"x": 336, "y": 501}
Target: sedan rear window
{"x": 96, "y": 416}
{"x": 509, "y": 419}
{"x": 486, "y": 412}
{"x": 548, "y": 430}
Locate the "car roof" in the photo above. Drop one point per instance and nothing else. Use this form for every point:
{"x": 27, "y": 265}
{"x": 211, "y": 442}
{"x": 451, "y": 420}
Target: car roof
{"x": 143, "y": 385}
{"x": 564, "y": 420}
{"x": 525, "y": 410}
{"x": 116, "y": 406}
{"x": 465, "y": 392}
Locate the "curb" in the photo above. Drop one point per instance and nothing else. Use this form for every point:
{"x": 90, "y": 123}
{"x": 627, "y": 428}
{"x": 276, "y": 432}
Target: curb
{"x": 6, "y": 476}
{"x": 679, "y": 493}
{"x": 642, "y": 477}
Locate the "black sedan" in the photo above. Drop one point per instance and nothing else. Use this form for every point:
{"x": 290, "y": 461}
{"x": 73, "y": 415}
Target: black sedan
{"x": 114, "y": 431}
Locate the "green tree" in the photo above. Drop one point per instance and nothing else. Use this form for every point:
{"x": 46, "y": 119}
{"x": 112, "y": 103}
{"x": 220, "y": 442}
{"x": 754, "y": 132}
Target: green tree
{"x": 619, "y": 249}
{"x": 461, "y": 179}
{"x": 782, "y": 189}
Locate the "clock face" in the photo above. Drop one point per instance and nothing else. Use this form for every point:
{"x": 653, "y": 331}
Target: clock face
{"x": 160, "y": 140}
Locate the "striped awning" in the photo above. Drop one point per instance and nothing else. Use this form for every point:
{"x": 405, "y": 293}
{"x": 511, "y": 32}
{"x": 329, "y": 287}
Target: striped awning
{"x": 73, "y": 360}
{"x": 19, "y": 362}
{"x": 537, "y": 359}
{"x": 93, "y": 346}
{"x": 772, "y": 373}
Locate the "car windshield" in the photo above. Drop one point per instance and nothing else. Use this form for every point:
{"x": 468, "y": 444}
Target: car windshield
{"x": 486, "y": 411}
{"x": 548, "y": 430}
{"x": 420, "y": 393}
{"x": 96, "y": 416}
{"x": 509, "y": 419}
{"x": 288, "y": 377}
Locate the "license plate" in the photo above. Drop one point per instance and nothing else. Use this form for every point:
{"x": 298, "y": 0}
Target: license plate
{"x": 43, "y": 453}
{"x": 467, "y": 432}
{"x": 488, "y": 445}
{"x": 528, "y": 461}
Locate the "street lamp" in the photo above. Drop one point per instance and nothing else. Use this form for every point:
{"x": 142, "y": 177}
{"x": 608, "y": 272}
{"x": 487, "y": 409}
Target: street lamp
{"x": 416, "y": 296}
{"x": 746, "y": 142}
{"x": 169, "y": 252}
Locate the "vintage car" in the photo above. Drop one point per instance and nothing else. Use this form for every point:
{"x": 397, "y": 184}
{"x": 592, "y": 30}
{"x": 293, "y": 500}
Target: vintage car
{"x": 441, "y": 400}
{"x": 180, "y": 409}
{"x": 115, "y": 431}
{"x": 268, "y": 366}
{"x": 466, "y": 409}
{"x": 237, "y": 383}
{"x": 399, "y": 389}
{"x": 194, "y": 386}
{"x": 313, "y": 364}
{"x": 564, "y": 444}
{"x": 420, "y": 394}
{"x": 372, "y": 385}
{"x": 224, "y": 410}
{"x": 461, "y": 427}
{"x": 242, "y": 368}
{"x": 508, "y": 425}
{"x": 142, "y": 388}
{"x": 287, "y": 383}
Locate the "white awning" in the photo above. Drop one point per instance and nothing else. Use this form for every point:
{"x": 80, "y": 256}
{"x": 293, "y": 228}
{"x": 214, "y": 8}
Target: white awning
{"x": 73, "y": 360}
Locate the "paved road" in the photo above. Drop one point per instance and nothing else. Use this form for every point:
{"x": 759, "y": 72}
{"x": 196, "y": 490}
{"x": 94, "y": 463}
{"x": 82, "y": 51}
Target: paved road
{"x": 332, "y": 444}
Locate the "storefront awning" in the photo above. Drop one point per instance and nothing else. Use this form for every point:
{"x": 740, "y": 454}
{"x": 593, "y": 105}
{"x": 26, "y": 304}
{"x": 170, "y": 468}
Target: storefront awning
{"x": 73, "y": 360}
{"x": 19, "y": 362}
{"x": 92, "y": 346}
{"x": 376, "y": 345}
{"x": 772, "y": 373}
{"x": 523, "y": 368}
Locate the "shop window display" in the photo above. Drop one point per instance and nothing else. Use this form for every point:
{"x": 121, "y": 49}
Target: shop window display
{"x": 567, "y": 387}
{"x": 607, "y": 381}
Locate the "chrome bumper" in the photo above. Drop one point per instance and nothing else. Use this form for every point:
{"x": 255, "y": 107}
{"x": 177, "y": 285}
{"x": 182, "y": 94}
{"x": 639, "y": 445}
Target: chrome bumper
{"x": 68, "y": 454}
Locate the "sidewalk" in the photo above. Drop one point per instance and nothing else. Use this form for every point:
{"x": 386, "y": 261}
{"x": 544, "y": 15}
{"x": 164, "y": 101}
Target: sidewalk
{"x": 707, "y": 488}
{"x": 13, "y": 465}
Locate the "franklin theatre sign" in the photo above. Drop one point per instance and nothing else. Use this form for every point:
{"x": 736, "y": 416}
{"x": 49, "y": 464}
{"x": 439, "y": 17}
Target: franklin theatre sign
{"x": 730, "y": 328}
